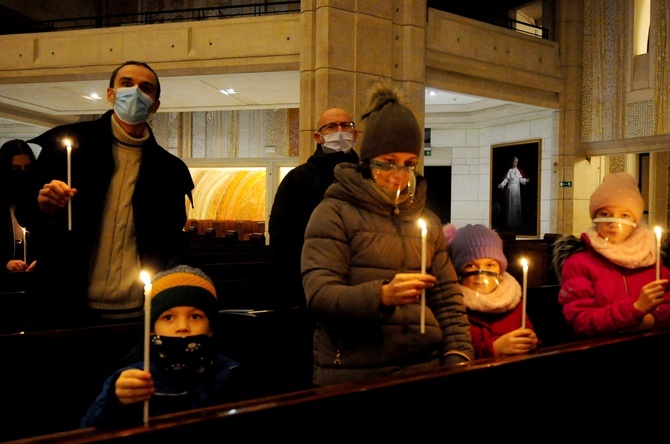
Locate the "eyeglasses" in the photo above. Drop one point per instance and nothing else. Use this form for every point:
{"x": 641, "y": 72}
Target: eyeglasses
{"x": 332, "y": 126}
{"x": 388, "y": 166}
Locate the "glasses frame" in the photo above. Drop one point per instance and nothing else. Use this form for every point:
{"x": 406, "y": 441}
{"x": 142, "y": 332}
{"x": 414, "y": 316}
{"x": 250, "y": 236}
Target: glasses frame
{"x": 388, "y": 166}
{"x": 344, "y": 125}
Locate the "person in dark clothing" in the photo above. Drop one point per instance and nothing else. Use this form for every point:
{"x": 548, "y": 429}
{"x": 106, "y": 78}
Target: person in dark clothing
{"x": 300, "y": 192}
{"x": 16, "y": 158}
{"x": 297, "y": 195}
{"x": 122, "y": 209}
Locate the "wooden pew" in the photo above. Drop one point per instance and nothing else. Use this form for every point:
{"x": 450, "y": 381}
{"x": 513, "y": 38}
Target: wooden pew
{"x": 242, "y": 273}
{"x": 594, "y": 386}
{"x": 546, "y": 315}
{"x": 51, "y": 377}
{"x": 538, "y": 253}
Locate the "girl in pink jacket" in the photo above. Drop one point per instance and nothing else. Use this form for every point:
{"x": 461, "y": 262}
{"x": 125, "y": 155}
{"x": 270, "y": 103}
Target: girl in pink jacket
{"x": 608, "y": 277}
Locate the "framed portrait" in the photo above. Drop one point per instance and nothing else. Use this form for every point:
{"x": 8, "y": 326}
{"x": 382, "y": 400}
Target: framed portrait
{"x": 515, "y": 188}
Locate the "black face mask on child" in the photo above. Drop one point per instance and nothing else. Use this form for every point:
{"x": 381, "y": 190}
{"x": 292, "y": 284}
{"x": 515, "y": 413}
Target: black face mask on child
{"x": 184, "y": 360}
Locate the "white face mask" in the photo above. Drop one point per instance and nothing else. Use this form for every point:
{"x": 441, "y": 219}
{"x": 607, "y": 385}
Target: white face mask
{"x": 338, "y": 141}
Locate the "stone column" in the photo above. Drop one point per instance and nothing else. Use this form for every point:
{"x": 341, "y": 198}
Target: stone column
{"x": 569, "y": 34}
{"x": 348, "y": 45}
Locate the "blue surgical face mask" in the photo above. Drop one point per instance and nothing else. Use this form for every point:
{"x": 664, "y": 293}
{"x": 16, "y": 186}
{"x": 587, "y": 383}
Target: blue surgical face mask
{"x": 132, "y": 105}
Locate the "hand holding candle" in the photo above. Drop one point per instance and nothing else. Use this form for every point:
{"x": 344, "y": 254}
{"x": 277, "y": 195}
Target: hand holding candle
{"x": 658, "y": 232}
{"x": 147, "y": 331}
{"x": 69, "y": 183}
{"x": 524, "y": 264}
{"x": 424, "y": 233}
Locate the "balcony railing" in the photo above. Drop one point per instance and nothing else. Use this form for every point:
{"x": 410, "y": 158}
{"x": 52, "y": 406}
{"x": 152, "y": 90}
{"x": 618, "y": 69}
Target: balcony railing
{"x": 474, "y": 12}
{"x": 15, "y": 26}
{"x": 18, "y": 26}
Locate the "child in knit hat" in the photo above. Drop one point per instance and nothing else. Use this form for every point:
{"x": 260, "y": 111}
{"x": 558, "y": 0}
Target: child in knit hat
{"x": 186, "y": 370}
{"x": 608, "y": 276}
{"x": 492, "y": 296}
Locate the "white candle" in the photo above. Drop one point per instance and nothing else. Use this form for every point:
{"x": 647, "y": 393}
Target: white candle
{"x": 69, "y": 184}
{"x": 524, "y": 264}
{"x": 25, "y": 246}
{"x": 424, "y": 233}
{"x": 147, "y": 331}
{"x": 657, "y": 230}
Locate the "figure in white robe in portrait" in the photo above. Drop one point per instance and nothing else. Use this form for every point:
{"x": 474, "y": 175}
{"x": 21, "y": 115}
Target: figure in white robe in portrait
{"x": 513, "y": 180}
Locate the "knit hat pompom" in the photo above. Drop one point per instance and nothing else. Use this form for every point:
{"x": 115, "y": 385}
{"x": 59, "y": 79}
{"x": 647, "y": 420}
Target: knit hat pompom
{"x": 476, "y": 242}
{"x": 449, "y": 231}
{"x": 183, "y": 286}
{"x": 390, "y": 127}
{"x": 618, "y": 190}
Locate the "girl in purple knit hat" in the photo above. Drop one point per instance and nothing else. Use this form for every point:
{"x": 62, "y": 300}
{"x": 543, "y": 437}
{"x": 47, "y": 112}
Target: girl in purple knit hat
{"x": 492, "y": 296}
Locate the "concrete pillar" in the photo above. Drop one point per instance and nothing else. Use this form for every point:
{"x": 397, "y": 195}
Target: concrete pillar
{"x": 570, "y": 31}
{"x": 347, "y": 46}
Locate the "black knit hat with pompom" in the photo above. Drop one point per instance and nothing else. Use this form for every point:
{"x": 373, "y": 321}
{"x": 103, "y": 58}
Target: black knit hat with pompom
{"x": 390, "y": 127}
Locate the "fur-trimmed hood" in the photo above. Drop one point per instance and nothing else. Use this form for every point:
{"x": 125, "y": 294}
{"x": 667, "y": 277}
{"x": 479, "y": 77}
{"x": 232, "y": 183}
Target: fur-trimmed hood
{"x": 563, "y": 247}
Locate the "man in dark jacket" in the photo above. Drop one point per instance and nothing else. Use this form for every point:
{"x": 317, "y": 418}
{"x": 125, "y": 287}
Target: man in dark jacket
{"x": 112, "y": 203}
{"x": 297, "y": 195}
{"x": 300, "y": 192}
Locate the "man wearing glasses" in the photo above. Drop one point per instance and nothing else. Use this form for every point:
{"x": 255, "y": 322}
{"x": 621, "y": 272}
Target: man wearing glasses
{"x": 300, "y": 192}
{"x": 297, "y": 195}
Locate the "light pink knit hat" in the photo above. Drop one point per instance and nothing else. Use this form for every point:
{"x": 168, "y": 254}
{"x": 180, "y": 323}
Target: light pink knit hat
{"x": 618, "y": 190}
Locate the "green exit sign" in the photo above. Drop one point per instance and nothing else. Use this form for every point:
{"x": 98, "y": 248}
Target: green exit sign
{"x": 565, "y": 184}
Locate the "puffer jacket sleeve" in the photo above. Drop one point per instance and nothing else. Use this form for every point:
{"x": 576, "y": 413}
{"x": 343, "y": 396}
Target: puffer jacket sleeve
{"x": 446, "y": 301}
{"x": 325, "y": 264}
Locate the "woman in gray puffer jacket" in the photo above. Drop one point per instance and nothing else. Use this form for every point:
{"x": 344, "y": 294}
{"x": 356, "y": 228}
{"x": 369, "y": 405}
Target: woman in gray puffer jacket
{"x": 362, "y": 258}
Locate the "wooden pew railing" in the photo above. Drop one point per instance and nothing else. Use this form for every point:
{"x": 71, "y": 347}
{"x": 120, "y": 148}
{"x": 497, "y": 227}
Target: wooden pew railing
{"x": 538, "y": 254}
{"x": 242, "y": 273}
{"x": 51, "y": 377}
{"x": 219, "y": 228}
{"x": 274, "y": 346}
{"x": 594, "y": 386}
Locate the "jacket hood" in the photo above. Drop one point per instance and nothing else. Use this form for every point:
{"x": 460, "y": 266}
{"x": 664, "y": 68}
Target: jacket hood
{"x": 563, "y": 247}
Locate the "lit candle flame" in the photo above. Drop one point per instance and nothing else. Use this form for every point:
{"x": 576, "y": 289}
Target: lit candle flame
{"x": 145, "y": 277}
